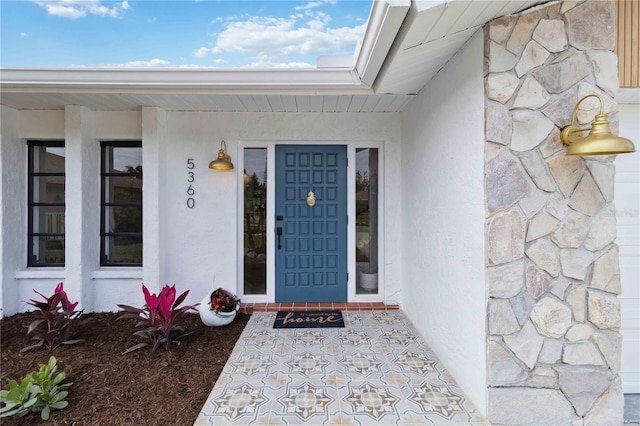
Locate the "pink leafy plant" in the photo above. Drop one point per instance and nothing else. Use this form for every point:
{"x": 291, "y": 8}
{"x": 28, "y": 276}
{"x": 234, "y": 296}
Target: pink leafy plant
{"x": 58, "y": 316}
{"x": 158, "y": 318}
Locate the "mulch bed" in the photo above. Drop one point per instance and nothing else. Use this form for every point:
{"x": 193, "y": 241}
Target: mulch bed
{"x": 109, "y": 388}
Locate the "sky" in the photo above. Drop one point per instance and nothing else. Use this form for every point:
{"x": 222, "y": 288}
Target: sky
{"x": 178, "y": 33}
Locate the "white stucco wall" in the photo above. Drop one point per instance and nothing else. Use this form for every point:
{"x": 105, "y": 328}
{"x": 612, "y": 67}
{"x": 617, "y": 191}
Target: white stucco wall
{"x": 13, "y": 227}
{"x": 184, "y": 246}
{"x": 207, "y": 234}
{"x": 443, "y": 217}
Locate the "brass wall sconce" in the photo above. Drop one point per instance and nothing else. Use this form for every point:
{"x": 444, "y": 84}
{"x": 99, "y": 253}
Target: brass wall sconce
{"x": 599, "y": 141}
{"x": 223, "y": 162}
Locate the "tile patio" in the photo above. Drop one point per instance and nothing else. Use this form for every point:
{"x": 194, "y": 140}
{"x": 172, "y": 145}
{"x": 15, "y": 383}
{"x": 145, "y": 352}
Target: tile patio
{"x": 376, "y": 370}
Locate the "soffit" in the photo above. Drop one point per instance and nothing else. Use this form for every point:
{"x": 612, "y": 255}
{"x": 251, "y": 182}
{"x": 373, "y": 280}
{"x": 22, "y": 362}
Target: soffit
{"x": 208, "y": 102}
{"x": 432, "y": 33}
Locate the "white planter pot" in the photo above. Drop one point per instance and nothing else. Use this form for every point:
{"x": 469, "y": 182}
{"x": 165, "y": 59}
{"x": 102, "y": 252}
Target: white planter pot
{"x": 368, "y": 281}
{"x": 211, "y": 318}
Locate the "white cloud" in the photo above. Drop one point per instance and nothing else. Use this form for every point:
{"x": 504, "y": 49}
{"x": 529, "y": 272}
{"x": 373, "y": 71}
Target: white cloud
{"x": 143, "y": 64}
{"x": 202, "y": 52}
{"x": 315, "y": 4}
{"x": 74, "y": 9}
{"x": 271, "y": 64}
{"x": 279, "y": 40}
{"x": 23, "y": 34}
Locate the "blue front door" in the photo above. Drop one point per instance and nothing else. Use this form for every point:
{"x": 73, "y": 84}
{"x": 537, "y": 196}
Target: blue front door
{"x": 311, "y": 241}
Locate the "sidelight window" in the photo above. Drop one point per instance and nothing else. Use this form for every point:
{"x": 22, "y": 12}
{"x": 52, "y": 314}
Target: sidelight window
{"x": 367, "y": 221}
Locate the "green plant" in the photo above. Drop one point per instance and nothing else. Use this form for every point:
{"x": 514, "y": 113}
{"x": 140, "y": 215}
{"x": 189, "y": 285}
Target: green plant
{"x": 40, "y": 391}
{"x": 55, "y": 326}
{"x": 158, "y": 317}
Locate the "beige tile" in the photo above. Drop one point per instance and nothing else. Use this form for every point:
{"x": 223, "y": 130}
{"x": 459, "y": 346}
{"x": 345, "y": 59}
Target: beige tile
{"x": 375, "y": 370}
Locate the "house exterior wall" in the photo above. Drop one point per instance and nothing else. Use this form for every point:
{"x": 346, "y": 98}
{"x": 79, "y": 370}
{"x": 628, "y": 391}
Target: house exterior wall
{"x": 13, "y": 197}
{"x": 443, "y": 217}
{"x": 188, "y": 247}
{"x": 553, "y": 315}
{"x": 627, "y": 190}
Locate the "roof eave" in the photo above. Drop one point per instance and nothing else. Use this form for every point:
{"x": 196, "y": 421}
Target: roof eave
{"x": 129, "y": 80}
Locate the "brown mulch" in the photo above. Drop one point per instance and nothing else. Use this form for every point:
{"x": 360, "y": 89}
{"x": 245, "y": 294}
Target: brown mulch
{"x": 109, "y": 388}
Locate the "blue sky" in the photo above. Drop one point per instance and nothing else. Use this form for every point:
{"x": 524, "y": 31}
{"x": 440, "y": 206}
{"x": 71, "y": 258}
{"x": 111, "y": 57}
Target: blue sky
{"x": 179, "y": 33}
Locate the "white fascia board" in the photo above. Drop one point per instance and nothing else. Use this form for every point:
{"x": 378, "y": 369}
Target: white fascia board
{"x": 385, "y": 20}
{"x": 131, "y": 80}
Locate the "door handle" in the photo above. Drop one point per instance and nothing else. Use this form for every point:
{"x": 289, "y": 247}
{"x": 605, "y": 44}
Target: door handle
{"x": 279, "y": 234}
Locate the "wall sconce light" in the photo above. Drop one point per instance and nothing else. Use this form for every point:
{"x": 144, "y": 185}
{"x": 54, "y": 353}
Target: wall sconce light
{"x": 599, "y": 141}
{"x": 223, "y": 162}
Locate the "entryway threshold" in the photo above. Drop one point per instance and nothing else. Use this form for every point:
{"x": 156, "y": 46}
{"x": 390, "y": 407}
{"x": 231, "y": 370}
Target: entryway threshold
{"x": 377, "y": 370}
{"x": 249, "y": 308}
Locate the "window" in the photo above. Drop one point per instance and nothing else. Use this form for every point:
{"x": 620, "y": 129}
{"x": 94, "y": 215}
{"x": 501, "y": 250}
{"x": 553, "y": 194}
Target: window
{"x": 255, "y": 221}
{"x": 367, "y": 221}
{"x": 46, "y": 196}
{"x": 121, "y": 199}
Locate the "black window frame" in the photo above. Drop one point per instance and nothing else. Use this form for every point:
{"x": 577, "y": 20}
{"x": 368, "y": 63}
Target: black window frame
{"x": 104, "y": 145}
{"x": 31, "y": 144}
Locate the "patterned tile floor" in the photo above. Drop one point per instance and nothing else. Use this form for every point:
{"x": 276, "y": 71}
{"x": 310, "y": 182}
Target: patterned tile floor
{"x": 376, "y": 370}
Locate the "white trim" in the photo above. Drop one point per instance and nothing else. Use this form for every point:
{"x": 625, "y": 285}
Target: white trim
{"x": 385, "y": 20}
{"x": 197, "y": 80}
{"x": 41, "y": 273}
{"x": 351, "y": 245}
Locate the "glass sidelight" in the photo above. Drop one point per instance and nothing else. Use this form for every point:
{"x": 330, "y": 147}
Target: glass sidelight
{"x": 255, "y": 221}
{"x": 366, "y": 221}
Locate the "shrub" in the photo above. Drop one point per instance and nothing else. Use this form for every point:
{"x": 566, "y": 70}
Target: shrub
{"x": 158, "y": 318}
{"x": 55, "y": 328}
{"x": 40, "y": 391}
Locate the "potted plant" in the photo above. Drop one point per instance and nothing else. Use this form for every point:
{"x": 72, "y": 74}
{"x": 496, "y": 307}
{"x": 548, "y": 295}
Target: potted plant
{"x": 219, "y": 308}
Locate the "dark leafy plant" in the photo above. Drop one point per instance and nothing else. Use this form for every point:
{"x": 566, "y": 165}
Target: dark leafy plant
{"x": 55, "y": 326}
{"x": 158, "y": 318}
{"x": 40, "y": 391}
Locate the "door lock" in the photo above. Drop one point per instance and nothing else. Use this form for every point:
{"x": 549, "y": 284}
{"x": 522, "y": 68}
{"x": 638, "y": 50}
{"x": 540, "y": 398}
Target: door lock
{"x": 279, "y": 234}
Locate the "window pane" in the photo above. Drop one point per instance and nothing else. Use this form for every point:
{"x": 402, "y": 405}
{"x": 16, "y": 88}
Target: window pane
{"x": 48, "y": 159}
{"x": 367, "y": 221}
{"x": 48, "y": 189}
{"x": 123, "y": 219}
{"x": 120, "y": 250}
{"x": 124, "y": 189}
{"x": 46, "y": 251}
{"x": 255, "y": 221}
{"x": 124, "y": 159}
{"x": 48, "y": 220}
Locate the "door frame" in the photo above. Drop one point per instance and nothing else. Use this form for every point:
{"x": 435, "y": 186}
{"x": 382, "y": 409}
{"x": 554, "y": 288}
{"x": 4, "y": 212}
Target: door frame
{"x": 271, "y": 224}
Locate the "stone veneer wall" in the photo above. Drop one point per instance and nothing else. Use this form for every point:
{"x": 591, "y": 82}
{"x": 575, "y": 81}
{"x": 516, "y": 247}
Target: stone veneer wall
{"x": 552, "y": 272}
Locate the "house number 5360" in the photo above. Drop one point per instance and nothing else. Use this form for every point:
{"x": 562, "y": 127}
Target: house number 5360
{"x": 191, "y": 191}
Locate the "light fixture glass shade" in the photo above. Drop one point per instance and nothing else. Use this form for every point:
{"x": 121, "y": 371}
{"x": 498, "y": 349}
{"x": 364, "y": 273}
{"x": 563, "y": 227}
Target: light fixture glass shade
{"x": 223, "y": 162}
{"x": 599, "y": 141}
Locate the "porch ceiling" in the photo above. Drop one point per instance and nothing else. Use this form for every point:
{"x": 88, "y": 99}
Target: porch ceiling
{"x": 405, "y": 46}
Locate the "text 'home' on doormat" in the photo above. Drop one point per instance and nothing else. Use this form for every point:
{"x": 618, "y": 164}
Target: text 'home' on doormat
{"x": 308, "y": 319}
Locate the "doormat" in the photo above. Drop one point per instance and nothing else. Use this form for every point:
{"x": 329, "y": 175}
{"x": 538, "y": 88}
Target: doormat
{"x": 308, "y": 319}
